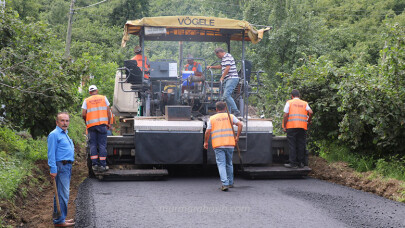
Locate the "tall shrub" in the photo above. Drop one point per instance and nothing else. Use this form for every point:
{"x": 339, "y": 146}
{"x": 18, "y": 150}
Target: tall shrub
{"x": 362, "y": 106}
{"x": 373, "y": 100}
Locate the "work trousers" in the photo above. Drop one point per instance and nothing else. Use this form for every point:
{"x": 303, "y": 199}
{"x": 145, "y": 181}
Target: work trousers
{"x": 225, "y": 167}
{"x": 62, "y": 183}
{"x": 229, "y": 86}
{"x": 296, "y": 138}
{"x": 98, "y": 144}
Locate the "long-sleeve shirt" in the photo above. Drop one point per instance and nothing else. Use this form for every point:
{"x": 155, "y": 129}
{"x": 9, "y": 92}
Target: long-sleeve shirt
{"x": 60, "y": 147}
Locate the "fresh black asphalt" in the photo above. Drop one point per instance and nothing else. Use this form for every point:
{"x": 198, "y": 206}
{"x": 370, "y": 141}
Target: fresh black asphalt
{"x": 198, "y": 202}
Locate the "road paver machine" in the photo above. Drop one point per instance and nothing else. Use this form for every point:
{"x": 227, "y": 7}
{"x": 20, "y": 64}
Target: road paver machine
{"x": 163, "y": 124}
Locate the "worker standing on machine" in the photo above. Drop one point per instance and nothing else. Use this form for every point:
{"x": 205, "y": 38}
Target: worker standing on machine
{"x": 223, "y": 141}
{"x": 97, "y": 115}
{"x": 229, "y": 78}
{"x": 191, "y": 66}
{"x": 297, "y": 116}
{"x": 138, "y": 58}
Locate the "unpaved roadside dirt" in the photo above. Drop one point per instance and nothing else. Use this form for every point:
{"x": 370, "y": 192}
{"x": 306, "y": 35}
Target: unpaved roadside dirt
{"x": 341, "y": 173}
{"x": 35, "y": 209}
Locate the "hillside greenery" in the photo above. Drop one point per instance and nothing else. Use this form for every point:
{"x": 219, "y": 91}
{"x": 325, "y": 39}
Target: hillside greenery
{"x": 346, "y": 58}
{"x": 19, "y": 152}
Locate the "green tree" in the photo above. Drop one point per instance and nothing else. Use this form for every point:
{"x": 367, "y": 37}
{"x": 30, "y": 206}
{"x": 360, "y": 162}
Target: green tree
{"x": 361, "y": 106}
{"x": 129, "y": 10}
{"x": 97, "y": 72}
{"x": 35, "y": 82}
{"x": 373, "y": 100}
{"x": 26, "y": 8}
{"x": 318, "y": 81}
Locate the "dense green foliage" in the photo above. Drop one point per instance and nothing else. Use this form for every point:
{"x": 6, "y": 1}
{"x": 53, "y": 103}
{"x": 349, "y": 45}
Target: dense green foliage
{"x": 359, "y": 109}
{"x": 36, "y": 81}
{"x": 348, "y": 62}
{"x": 12, "y": 173}
{"x": 363, "y": 106}
{"x": 394, "y": 167}
{"x": 18, "y": 152}
{"x": 390, "y": 166}
{"x": 129, "y": 9}
{"x": 76, "y": 129}
{"x": 16, "y": 157}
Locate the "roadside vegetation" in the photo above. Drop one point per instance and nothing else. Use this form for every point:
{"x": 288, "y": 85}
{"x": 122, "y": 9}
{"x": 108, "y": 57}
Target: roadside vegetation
{"x": 347, "y": 59}
{"x": 19, "y": 153}
{"x": 360, "y": 108}
{"x": 390, "y": 167}
{"x": 16, "y": 158}
{"x": 348, "y": 62}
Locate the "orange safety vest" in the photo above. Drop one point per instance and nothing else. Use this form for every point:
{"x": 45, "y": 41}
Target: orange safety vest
{"x": 138, "y": 59}
{"x": 195, "y": 65}
{"x": 97, "y": 113}
{"x": 297, "y": 114}
{"x": 221, "y": 131}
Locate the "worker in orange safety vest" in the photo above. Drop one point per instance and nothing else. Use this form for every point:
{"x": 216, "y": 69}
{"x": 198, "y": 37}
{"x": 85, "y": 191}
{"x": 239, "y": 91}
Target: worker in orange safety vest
{"x": 223, "y": 141}
{"x": 191, "y": 66}
{"x": 96, "y": 113}
{"x": 297, "y": 116}
{"x": 138, "y": 58}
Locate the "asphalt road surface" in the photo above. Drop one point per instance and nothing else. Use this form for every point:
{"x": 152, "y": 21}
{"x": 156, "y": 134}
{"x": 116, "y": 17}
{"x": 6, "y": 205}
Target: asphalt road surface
{"x": 198, "y": 202}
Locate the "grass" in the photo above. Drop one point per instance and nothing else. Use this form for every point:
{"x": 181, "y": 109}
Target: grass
{"x": 373, "y": 175}
{"x": 402, "y": 192}
{"x": 19, "y": 152}
{"x": 77, "y": 129}
{"x": 3, "y": 225}
{"x": 17, "y": 156}
{"x": 393, "y": 167}
{"x": 390, "y": 167}
{"x": 12, "y": 173}
{"x": 334, "y": 152}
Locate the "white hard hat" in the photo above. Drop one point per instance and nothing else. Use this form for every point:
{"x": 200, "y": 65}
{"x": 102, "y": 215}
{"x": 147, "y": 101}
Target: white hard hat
{"x": 92, "y": 88}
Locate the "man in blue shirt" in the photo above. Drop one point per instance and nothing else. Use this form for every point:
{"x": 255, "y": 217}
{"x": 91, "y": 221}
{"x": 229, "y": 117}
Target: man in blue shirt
{"x": 60, "y": 160}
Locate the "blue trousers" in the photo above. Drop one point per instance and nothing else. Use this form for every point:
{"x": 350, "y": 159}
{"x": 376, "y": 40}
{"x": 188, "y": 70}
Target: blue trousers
{"x": 98, "y": 144}
{"x": 62, "y": 184}
{"x": 225, "y": 167}
{"x": 229, "y": 86}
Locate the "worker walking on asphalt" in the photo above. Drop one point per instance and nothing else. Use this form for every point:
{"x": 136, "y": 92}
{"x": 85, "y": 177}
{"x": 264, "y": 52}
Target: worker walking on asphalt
{"x": 60, "y": 160}
{"x": 223, "y": 141}
{"x": 97, "y": 114}
{"x": 297, "y": 116}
